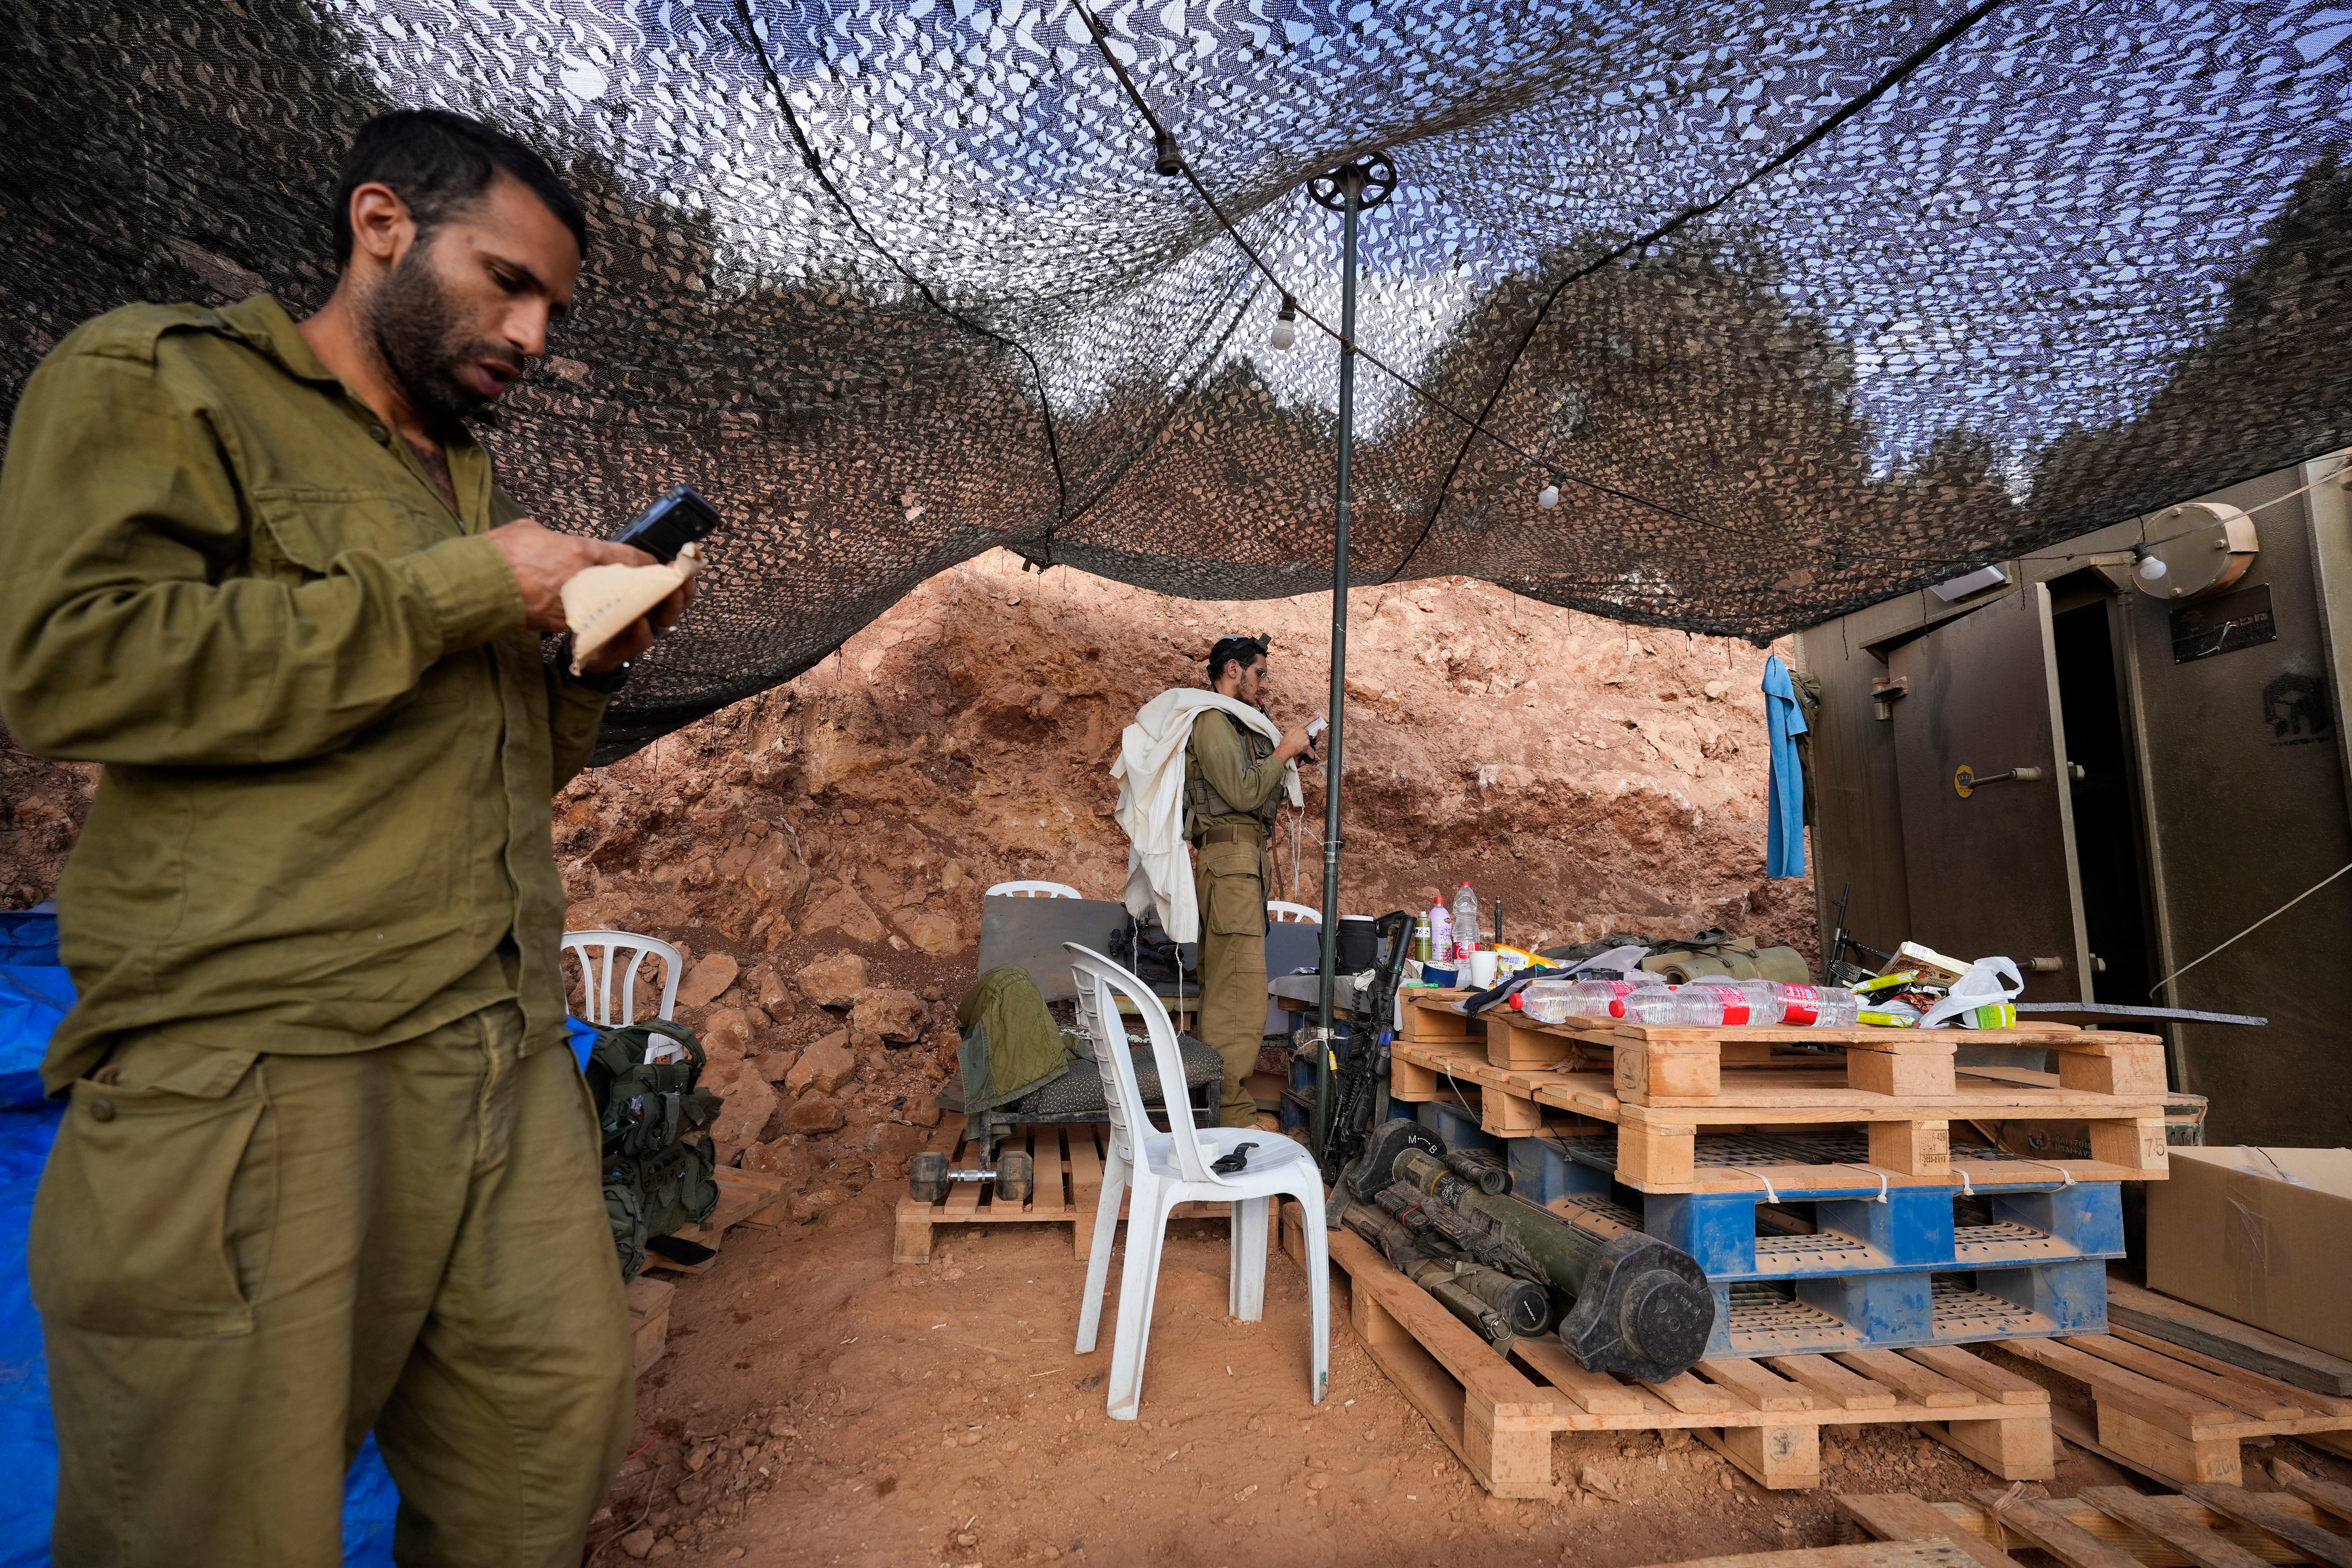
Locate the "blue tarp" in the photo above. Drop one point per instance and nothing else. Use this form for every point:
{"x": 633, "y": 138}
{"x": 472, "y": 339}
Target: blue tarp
{"x": 34, "y": 994}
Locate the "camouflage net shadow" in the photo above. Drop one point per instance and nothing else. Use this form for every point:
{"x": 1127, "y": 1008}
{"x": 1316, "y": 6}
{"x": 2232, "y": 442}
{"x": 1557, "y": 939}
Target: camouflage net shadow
{"x": 1801, "y": 306}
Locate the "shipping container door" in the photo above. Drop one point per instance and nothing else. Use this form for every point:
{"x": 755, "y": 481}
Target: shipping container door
{"x": 1991, "y": 870}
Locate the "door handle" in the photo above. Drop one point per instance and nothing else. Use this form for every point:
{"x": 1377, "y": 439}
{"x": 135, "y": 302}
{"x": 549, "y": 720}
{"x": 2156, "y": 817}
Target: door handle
{"x": 1965, "y": 782}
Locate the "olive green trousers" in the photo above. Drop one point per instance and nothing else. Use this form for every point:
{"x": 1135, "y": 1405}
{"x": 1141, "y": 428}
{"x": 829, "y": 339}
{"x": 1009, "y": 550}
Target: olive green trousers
{"x": 245, "y": 1263}
{"x": 1229, "y": 882}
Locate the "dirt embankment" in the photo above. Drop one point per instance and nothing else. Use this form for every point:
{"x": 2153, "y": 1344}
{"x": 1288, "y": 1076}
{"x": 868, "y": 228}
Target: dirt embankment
{"x": 820, "y": 852}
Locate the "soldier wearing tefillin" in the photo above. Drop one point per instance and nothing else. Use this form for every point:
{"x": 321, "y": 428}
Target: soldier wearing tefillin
{"x": 1234, "y": 775}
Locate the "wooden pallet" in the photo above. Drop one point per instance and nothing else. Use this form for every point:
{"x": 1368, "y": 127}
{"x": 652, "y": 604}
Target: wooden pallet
{"x": 2117, "y": 1527}
{"x": 1657, "y": 1066}
{"x": 750, "y": 1198}
{"x": 1069, "y": 1164}
{"x": 648, "y": 1318}
{"x": 1498, "y": 1414}
{"x": 1910, "y": 1136}
{"x": 2179, "y": 1414}
{"x": 2240, "y": 1344}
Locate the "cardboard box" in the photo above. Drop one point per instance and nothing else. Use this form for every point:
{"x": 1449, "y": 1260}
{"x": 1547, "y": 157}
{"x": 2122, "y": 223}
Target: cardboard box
{"x": 2263, "y": 1235}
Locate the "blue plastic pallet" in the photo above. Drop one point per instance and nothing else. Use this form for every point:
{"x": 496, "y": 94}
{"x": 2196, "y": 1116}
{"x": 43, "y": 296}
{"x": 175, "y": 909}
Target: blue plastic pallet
{"x": 1884, "y": 1268}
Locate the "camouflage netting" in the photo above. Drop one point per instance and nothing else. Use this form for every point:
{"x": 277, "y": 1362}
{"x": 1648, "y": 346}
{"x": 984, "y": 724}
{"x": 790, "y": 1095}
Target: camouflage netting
{"x": 1803, "y": 305}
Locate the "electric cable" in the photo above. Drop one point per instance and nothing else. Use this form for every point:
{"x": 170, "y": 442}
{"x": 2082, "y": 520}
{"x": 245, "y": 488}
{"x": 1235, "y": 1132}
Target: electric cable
{"x": 815, "y": 166}
{"x": 1164, "y": 146}
{"x": 1903, "y": 69}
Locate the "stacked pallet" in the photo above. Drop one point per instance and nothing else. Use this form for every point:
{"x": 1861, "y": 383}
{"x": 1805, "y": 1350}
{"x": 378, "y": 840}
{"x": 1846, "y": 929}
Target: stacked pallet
{"x": 1813, "y": 1172}
{"x": 1497, "y": 1410}
{"x": 2217, "y": 1526}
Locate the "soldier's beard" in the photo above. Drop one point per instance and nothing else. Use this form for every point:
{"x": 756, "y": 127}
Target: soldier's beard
{"x": 417, "y": 327}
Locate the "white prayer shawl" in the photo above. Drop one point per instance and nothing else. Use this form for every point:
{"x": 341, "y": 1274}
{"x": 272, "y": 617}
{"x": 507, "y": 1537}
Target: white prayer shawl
{"x": 1150, "y": 774}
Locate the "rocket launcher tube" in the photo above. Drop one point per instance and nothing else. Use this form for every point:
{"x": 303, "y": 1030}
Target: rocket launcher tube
{"x": 1643, "y": 1306}
{"x": 1499, "y": 1307}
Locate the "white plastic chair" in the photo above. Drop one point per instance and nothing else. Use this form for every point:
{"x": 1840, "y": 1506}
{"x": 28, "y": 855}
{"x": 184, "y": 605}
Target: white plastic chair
{"x": 1033, "y": 890}
{"x": 597, "y": 950}
{"x": 1164, "y": 1169}
{"x": 1281, "y": 909}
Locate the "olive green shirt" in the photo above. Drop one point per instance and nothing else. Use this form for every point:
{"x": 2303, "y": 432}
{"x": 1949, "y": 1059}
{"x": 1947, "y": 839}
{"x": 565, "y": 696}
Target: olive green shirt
{"x": 330, "y": 743}
{"x": 1219, "y": 753}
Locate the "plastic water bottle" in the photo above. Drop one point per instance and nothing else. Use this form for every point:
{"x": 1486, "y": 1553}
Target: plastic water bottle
{"x": 1657, "y": 1004}
{"x": 1804, "y": 1006}
{"x": 1701, "y": 1004}
{"x": 1549, "y": 1001}
{"x": 1465, "y": 921}
{"x": 1440, "y": 935}
{"x": 1767, "y": 1002}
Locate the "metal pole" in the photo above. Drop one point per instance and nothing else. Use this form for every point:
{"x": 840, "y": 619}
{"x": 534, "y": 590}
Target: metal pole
{"x": 1351, "y": 181}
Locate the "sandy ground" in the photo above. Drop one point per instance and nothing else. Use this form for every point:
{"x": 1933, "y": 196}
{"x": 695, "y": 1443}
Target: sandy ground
{"x": 817, "y": 1406}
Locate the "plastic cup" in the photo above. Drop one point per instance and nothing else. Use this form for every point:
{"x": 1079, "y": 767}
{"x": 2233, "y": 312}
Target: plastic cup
{"x": 1482, "y": 968}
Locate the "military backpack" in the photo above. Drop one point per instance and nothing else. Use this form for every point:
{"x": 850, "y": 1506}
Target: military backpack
{"x": 660, "y": 1163}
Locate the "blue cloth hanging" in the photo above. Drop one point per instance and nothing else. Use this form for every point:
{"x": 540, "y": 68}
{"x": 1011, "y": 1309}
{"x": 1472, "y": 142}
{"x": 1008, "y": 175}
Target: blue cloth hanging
{"x": 1784, "y": 841}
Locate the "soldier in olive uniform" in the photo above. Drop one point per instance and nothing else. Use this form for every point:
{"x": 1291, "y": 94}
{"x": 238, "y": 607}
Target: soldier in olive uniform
{"x": 1232, "y": 778}
{"x": 328, "y": 1165}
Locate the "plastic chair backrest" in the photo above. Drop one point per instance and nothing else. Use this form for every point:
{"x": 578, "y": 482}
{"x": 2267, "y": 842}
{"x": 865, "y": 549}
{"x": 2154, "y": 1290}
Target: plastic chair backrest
{"x": 1101, "y": 983}
{"x": 1098, "y": 1015}
{"x": 1280, "y": 909}
{"x": 1033, "y": 890}
{"x": 596, "y": 973}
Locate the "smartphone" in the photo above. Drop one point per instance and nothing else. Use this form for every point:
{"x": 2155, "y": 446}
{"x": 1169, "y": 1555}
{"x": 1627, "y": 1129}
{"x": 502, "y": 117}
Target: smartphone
{"x": 665, "y": 528}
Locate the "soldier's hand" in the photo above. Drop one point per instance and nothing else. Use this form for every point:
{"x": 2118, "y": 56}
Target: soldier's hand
{"x": 542, "y": 560}
{"x": 1295, "y": 743}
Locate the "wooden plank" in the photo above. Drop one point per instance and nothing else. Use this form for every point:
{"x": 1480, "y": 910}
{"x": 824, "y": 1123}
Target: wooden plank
{"x": 2264, "y": 1512}
{"x": 2016, "y": 1447}
{"x": 762, "y": 1213}
{"x": 2175, "y": 1408}
{"x": 1085, "y": 1187}
{"x": 1689, "y": 1396}
{"x": 2332, "y": 1496}
{"x": 2249, "y": 1397}
{"x": 1942, "y": 1552}
{"x": 1900, "y": 1516}
{"x": 1782, "y": 1457}
{"x": 1995, "y": 1383}
{"x": 1594, "y": 1391}
{"x": 1825, "y": 1377}
{"x": 1904, "y": 1073}
{"x": 2053, "y": 1532}
{"x": 1917, "y": 1148}
{"x": 2163, "y": 1450}
{"x": 2309, "y": 1398}
{"x": 910, "y": 1236}
{"x": 2135, "y": 1069}
{"x": 2225, "y": 1338}
{"x": 2136, "y": 1142}
{"x": 2193, "y": 1540}
{"x": 1470, "y": 1358}
{"x": 1761, "y": 1387}
{"x": 649, "y": 1301}
{"x": 1917, "y": 1384}
{"x": 2151, "y": 1552}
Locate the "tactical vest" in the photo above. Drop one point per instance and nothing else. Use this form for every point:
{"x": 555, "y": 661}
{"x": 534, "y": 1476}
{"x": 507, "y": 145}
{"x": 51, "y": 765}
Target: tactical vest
{"x": 660, "y": 1164}
{"x": 1202, "y": 804}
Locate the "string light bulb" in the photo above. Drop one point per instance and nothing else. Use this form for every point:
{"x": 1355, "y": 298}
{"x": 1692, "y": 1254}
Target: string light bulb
{"x": 2151, "y": 568}
{"x": 1286, "y": 325}
{"x": 1166, "y": 160}
{"x": 1548, "y": 497}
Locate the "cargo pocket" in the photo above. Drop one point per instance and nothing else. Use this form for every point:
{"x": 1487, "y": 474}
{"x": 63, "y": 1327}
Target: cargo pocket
{"x": 1236, "y": 901}
{"x": 155, "y": 1215}
{"x": 302, "y": 531}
